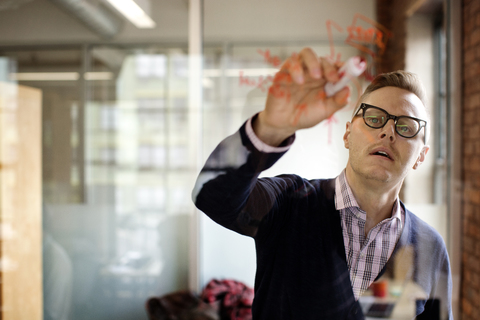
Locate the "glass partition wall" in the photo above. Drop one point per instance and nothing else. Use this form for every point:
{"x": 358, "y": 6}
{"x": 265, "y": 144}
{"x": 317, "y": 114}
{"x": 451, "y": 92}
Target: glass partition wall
{"x": 236, "y": 80}
{"x": 117, "y": 159}
{"x": 237, "y": 74}
{"x": 138, "y": 170}
{"x": 116, "y": 175}
{"x": 117, "y": 168}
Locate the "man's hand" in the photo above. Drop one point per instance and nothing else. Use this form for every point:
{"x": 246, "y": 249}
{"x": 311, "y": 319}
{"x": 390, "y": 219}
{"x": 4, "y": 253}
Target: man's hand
{"x": 296, "y": 99}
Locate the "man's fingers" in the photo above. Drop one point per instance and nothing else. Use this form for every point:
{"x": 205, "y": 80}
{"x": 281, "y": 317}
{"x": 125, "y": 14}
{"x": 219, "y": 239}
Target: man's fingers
{"x": 311, "y": 62}
{"x": 330, "y": 72}
{"x": 342, "y": 97}
{"x": 337, "y": 101}
{"x": 295, "y": 68}
{"x": 304, "y": 65}
{"x": 282, "y": 77}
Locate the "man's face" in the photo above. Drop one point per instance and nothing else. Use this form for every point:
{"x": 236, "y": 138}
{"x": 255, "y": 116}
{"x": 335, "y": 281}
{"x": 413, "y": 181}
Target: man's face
{"x": 366, "y": 144}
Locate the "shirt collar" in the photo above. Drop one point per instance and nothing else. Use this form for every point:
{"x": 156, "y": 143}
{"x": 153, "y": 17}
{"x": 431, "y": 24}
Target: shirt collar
{"x": 344, "y": 197}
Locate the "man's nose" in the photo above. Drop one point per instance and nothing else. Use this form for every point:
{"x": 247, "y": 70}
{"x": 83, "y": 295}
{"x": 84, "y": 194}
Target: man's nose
{"x": 388, "y": 131}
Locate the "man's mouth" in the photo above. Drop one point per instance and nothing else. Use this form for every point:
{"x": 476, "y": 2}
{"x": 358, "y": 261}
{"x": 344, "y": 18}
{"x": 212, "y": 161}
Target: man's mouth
{"x": 382, "y": 153}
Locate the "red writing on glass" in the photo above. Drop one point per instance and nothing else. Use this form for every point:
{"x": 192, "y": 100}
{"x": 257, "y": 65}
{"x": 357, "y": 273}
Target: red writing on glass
{"x": 261, "y": 83}
{"x": 365, "y": 34}
{"x": 268, "y": 58}
{"x": 329, "y": 123}
{"x": 329, "y": 24}
{"x": 360, "y": 37}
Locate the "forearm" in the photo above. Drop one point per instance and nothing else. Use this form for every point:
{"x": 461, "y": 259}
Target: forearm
{"x": 227, "y": 182}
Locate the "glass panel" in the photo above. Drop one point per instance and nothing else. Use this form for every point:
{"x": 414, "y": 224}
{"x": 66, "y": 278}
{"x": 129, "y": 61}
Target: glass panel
{"x": 117, "y": 176}
{"x": 239, "y": 65}
{"x": 57, "y": 72}
{"x": 236, "y": 81}
{"x": 137, "y": 165}
{"x": 118, "y": 156}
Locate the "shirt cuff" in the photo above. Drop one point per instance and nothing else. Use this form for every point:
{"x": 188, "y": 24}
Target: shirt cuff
{"x": 259, "y": 144}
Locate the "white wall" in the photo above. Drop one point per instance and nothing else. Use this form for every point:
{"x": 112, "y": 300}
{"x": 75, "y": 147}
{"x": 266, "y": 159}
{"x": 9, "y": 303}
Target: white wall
{"x": 420, "y": 60}
{"x": 268, "y": 20}
{"x": 419, "y": 183}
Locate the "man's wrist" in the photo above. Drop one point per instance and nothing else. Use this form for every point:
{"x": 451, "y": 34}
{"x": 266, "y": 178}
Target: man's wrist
{"x": 267, "y": 146}
{"x": 270, "y": 135}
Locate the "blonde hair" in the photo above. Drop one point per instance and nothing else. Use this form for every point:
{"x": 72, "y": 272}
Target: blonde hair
{"x": 401, "y": 79}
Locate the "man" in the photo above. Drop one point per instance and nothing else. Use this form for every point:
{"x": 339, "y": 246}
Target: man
{"x": 321, "y": 243}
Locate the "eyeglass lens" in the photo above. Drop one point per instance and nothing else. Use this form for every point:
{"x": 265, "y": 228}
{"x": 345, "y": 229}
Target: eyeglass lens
{"x": 405, "y": 126}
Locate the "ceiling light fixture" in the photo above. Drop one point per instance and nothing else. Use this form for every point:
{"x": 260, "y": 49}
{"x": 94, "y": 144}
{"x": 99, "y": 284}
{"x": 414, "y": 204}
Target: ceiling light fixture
{"x": 255, "y": 72}
{"x": 45, "y": 76}
{"x": 134, "y": 13}
{"x": 60, "y": 76}
{"x": 98, "y": 75}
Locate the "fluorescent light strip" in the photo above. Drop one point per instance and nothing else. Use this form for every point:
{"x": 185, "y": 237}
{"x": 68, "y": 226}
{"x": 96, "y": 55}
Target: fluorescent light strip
{"x": 236, "y": 72}
{"x": 132, "y": 11}
{"x": 45, "y": 76}
{"x": 74, "y": 76}
{"x": 59, "y": 76}
{"x": 98, "y": 75}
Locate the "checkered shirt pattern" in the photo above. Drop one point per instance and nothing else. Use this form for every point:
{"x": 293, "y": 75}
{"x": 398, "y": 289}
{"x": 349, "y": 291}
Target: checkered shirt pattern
{"x": 366, "y": 256}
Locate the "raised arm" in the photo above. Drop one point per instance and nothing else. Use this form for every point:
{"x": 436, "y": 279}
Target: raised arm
{"x": 227, "y": 189}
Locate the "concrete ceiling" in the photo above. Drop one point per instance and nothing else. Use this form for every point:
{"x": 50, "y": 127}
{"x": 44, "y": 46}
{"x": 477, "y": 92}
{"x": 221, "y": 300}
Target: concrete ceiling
{"x": 41, "y": 21}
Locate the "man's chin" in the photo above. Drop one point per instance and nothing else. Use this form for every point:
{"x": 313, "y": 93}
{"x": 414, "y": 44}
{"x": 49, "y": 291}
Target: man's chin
{"x": 374, "y": 173}
{"x": 379, "y": 175}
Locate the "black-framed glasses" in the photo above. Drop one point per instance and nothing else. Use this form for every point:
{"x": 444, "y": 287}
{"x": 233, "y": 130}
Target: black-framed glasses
{"x": 405, "y": 126}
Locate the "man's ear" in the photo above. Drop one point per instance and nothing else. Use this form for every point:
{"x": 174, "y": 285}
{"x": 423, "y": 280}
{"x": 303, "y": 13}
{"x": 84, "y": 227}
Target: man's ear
{"x": 347, "y": 134}
{"x": 421, "y": 157}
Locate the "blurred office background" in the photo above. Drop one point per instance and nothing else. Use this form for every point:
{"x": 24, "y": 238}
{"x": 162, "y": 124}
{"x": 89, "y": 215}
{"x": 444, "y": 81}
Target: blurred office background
{"x": 130, "y": 109}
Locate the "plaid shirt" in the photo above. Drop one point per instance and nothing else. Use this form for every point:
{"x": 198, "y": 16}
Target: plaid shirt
{"x": 366, "y": 256}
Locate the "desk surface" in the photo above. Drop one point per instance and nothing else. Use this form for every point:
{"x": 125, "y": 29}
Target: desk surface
{"x": 404, "y": 304}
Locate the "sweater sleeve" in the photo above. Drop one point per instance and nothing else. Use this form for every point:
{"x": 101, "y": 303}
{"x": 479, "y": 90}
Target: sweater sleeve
{"x": 228, "y": 189}
{"x": 442, "y": 289}
{"x": 433, "y": 273}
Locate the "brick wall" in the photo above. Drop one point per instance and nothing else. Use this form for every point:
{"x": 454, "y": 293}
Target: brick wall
{"x": 388, "y": 16}
{"x": 393, "y": 57}
{"x": 470, "y": 287}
